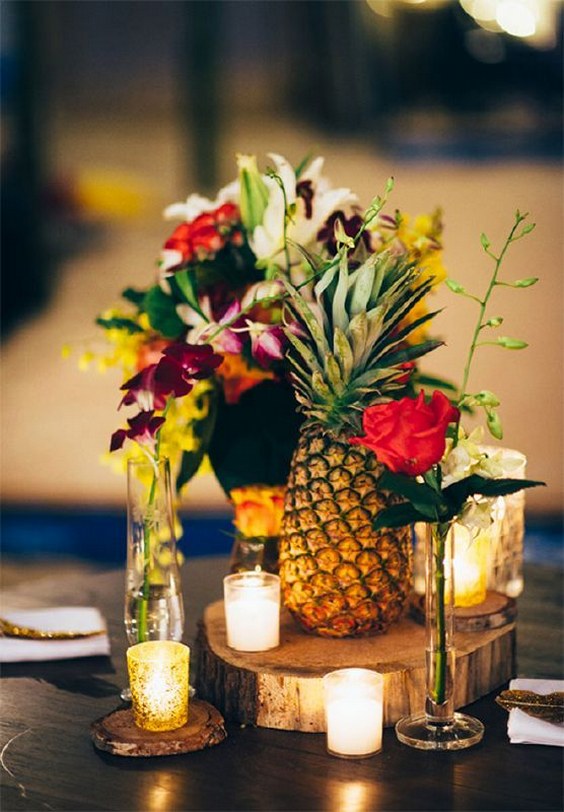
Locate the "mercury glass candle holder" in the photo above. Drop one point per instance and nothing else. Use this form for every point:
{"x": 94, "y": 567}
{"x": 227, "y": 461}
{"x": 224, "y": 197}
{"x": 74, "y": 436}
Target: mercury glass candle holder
{"x": 158, "y": 677}
{"x": 354, "y": 708}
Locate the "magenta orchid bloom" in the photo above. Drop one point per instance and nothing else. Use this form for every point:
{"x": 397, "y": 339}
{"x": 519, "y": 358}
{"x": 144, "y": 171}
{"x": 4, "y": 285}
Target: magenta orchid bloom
{"x": 267, "y": 342}
{"x": 197, "y": 361}
{"x": 204, "y": 327}
{"x": 142, "y": 428}
{"x": 143, "y": 390}
{"x": 174, "y": 374}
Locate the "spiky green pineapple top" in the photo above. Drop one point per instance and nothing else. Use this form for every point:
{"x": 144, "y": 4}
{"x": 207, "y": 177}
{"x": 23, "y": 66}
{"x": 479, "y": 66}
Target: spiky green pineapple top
{"x": 352, "y": 347}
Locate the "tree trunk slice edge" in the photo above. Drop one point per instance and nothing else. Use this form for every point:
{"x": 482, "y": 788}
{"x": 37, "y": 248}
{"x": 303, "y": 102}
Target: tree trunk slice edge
{"x": 282, "y": 688}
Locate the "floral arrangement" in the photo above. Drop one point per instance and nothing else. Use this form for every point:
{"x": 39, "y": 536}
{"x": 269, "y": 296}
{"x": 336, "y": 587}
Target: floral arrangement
{"x": 203, "y": 350}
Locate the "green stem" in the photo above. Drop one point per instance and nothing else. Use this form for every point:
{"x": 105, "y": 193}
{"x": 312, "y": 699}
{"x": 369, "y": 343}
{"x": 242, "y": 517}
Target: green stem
{"x": 143, "y": 599}
{"x": 483, "y": 305}
{"x": 440, "y": 653}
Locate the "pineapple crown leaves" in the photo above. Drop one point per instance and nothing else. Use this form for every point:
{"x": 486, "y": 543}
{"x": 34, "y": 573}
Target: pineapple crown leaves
{"x": 352, "y": 345}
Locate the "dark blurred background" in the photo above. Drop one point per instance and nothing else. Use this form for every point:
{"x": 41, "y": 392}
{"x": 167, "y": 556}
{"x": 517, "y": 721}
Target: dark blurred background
{"x": 419, "y": 79}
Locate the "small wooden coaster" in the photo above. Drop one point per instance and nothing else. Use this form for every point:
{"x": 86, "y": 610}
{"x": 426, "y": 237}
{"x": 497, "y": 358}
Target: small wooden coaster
{"x": 118, "y": 734}
{"x": 496, "y": 611}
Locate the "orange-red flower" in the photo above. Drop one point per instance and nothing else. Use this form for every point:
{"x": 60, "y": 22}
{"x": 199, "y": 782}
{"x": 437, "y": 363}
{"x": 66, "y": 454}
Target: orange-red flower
{"x": 258, "y": 509}
{"x": 237, "y": 377}
{"x": 202, "y": 238}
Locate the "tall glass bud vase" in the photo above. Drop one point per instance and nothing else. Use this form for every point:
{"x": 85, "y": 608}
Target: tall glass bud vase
{"x": 153, "y": 597}
{"x": 439, "y": 727}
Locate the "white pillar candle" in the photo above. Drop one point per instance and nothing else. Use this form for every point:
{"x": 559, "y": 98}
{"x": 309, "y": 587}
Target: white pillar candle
{"x": 354, "y": 699}
{"x": 252, "y": 610}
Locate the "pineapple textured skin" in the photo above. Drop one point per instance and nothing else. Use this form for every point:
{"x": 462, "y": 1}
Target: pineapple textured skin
{"x": 340, "y": 578}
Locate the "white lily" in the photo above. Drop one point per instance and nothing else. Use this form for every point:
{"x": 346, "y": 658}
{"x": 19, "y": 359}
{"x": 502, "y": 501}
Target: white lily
{"x": 267, "y": 239}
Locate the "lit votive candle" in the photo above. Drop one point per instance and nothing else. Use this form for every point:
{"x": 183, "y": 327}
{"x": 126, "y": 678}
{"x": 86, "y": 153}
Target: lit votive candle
{"x": 159, "y": 677}
{"x": 354, "y": 699}
{"x": 470, "y": 566}
{"x": 252, "y": 610}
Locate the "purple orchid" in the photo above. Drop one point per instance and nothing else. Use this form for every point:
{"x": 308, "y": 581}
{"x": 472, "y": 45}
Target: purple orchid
{"x": 142, "y": 428}
{"x": 174, "y": 374}
{"x": 204, "y": 327}
{"x": 267, "y": 342}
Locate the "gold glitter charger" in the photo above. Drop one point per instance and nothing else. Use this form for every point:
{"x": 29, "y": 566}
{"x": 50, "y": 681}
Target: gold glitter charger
{"x": 117, "y": 733}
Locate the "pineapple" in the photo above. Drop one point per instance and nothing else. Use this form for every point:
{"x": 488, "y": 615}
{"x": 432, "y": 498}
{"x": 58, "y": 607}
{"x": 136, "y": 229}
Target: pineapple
{"x": 339, "y": 576}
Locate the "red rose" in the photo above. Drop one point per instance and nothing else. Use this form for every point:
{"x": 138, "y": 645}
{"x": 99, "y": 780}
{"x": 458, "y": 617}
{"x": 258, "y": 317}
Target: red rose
{"x": 408, "y": 435}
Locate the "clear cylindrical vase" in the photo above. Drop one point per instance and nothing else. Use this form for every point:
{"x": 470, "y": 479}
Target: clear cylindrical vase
{"x": 153, "y": 596}
{"x": 439, "y": 727}
{"x": 254, "y": 554}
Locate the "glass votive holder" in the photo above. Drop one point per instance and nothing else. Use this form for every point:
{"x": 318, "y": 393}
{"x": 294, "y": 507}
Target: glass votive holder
{"x": 159, "y": 679}
{"x": 252, "y": 610}
{"x": 354, "y": 700}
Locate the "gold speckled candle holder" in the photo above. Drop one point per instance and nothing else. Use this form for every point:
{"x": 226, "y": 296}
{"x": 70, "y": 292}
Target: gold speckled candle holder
{"x": 158, "y": 677}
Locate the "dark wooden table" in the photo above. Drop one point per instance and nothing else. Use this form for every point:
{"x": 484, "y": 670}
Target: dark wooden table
{"x": 48, "y": 761}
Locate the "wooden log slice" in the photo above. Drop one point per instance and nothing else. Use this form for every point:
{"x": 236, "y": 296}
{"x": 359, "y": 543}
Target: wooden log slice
{"x": 282, "y": 688}
{"x": 118, "y": 734}
{"x": 496, "y": 611}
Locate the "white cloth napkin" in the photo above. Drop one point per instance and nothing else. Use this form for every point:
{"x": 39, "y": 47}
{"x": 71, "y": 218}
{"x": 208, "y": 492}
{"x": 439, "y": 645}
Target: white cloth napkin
{"x": 525, "y": 729}
{"x": 82, "y": 619}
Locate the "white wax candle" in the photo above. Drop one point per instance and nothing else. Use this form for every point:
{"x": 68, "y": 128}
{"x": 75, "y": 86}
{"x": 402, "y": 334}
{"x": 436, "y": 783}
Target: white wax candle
{"x": 253, "y": 622}
{"x": 354, "y": 711}
{"x": 354, "y": 726}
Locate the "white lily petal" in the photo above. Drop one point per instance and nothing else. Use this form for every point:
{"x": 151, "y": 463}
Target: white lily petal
{"x": 313, "y": 170}
{"x": 287, "y": 175}
{"x": 229, "y": 194}
{"x": 192, "y": 208}
{"x": 170, "y": 258}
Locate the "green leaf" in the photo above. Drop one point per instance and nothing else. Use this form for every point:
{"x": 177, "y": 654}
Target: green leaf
{"x": 254, "y": 192}
{"x": 118, "y": 323}
{"x": 363, "y": 282}
{"x": 302, "y": 164}
{"x": 485, "y": 241}
{"x": 431, "y": 381}
{"x": 494, "y": 424}
{"x": 397, "y": 516}
{"x": 511, "y": 343}
{"x": 528, "y": 228}
{"x": 303, "y": 350}
{"x": 306, "y": 315}
{"x": 162, "y": 313}
{"x": 134, "y": 296}
{"x": 486, "y": 398}
{"x": 459, "y": 492}
{"x": 520, "y": 283}
{"x": 410, "y": 353}
{"x": 343, "y": 353}
{"x": 185, "y": 283}
{"x": 423, "y": 497}
{"x": 455, "y": 286}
